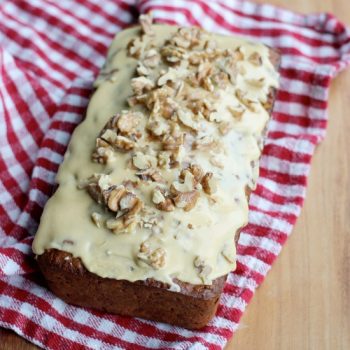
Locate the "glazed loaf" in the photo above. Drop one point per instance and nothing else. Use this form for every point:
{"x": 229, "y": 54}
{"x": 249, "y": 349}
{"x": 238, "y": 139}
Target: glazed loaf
{"x": 154, "y": 187}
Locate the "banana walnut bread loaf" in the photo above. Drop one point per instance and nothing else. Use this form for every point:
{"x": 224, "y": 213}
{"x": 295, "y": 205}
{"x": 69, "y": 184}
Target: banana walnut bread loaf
{"x": 154, "y": 186}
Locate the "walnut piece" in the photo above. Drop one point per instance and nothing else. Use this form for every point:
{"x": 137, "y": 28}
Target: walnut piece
{"x": 162, "y": 200}
{"x": 146, "y": 24}
{"x": 140, "y": 85}
{"x": 114, "y": 198}
{"x": 209, "y": 183}
{"x": 144, "y": 161}
{"x": 151, "y": 59}
{"x": 186, "y": 118}
{"x": 155, "y": 258}
{"x": 255, "y": 59}
{"x": 237, "y": 111}
{"x": 187, "y": 37}
{"x": 225, "y": 127}
{"x": 150, "y": 175}
{"x": 186, "y": 200}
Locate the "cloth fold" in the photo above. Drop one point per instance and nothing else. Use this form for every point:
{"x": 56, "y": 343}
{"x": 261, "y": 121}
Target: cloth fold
{"x": 50, "y": 53}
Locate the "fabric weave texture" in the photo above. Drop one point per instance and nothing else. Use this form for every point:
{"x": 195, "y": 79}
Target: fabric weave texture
{"x": 50, "y": 53}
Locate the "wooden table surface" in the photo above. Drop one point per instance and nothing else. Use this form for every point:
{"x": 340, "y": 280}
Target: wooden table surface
{"x": 304, "y": 302}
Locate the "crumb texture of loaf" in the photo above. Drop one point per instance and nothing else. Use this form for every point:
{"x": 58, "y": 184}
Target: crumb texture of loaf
{"x": 154, "y": 187}
{"x": 190, "y": 308}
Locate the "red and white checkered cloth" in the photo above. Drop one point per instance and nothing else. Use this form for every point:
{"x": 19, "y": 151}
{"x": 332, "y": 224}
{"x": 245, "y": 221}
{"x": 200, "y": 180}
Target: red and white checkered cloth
{"x": 50, "y": 52}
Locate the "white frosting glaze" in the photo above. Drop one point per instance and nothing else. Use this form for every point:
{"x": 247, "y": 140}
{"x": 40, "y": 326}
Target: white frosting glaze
{"x": 66, "y": 223}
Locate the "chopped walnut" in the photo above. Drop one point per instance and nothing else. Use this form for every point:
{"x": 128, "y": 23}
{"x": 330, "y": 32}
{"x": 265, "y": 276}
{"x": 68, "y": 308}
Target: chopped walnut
{"x": 255, "y": 59}
{"x": 173, "y": 141}
{"x": 162, "y": 200}
{"x": 151, "y": 59}
{"x": 186, "y": 200}
{"x": 186, "y": 118}
{"x": 119, "y": 200}
{"x": 155, "y": 258}
{"x": 209, "y": 183}
{"x": 164, "y": 159}
{"x": 238, "y": 54}
{"x": 195, "y": 170}
{"x": 142, "y": 70}
{"x": 144, "y": 161}
{"x": 170, "y": 75}
{"x": 136, "y": 47}
{"x": 150, "y": 175}
{"x": 186, "y": 185}
{"x": 210, "y": 45}
{"x": 141, "y": 85}
{"x": 128, "y": 201}
{"x": 157, "y": 197}
{"x": 237, "y": 111}
{"x": 173, "y": 54}
{"x": 146, "y": 24}
{"x": 200, "y": 106}
{"x": 225, "y": 127}
{"x": 103, "y": 152}
{"x": 127, "y": 123}
{"x": 123, "y": 143}
{"x": 187, "y": 37}
{"x": 96, "y": 185}
{"x": 204, "y": 143}
{"x": 115, "y": 197}
{"x": 158, "y": 126}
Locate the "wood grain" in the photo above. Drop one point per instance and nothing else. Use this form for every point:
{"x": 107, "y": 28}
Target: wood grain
{"x": 304, "y": 302}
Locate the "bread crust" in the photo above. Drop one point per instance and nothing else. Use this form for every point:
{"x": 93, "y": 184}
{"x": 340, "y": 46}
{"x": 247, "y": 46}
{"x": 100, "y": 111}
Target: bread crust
{"x": 192, "y": 307}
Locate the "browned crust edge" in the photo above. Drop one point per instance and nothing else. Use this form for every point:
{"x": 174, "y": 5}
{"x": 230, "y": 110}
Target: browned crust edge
{"x": 192, "y": 307}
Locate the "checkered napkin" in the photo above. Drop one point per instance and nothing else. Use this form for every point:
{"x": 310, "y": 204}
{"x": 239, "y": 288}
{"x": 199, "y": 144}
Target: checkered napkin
{"x": 50, "y": 53}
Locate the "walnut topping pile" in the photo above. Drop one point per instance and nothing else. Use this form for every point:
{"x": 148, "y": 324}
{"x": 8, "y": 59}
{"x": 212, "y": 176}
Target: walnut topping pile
{"x": 186, "y": 101}
{"x": 119, "y": 200}
{"x": 120, "y": 134}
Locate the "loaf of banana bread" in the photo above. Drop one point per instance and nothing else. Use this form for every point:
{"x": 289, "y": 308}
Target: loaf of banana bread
{"x": 154, "y": 187}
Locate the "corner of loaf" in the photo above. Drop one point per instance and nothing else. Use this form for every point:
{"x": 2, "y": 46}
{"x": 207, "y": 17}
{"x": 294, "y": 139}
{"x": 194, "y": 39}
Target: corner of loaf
{"x": 154, "y": 188}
